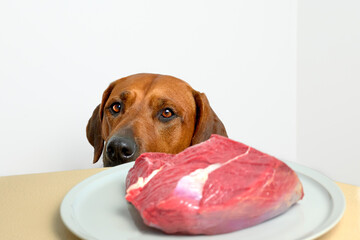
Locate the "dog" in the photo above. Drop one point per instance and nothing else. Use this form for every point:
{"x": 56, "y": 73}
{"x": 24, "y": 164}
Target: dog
{"x": 149, "y": 113}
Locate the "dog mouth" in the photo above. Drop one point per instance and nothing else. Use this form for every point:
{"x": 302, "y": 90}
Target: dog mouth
{"x": 110, "y": 163}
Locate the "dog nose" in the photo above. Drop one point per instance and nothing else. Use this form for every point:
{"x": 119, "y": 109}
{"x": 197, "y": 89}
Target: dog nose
{"x": 120, "y": 150}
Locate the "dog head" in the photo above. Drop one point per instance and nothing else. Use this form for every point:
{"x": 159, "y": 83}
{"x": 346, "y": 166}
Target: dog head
{"x": 149, "y": 113}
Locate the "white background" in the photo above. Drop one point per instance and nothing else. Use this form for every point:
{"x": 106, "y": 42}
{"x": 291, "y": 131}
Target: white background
{"x": 249, "y": 57}
{"x": 328, "y": 86}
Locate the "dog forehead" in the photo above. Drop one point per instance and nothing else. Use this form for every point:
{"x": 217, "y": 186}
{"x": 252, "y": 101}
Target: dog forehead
{"x": 154, "y": 86}
{"x": 170, "y": 90}
{"x": 136, "y": 82}
{"x": 146, "y": 80}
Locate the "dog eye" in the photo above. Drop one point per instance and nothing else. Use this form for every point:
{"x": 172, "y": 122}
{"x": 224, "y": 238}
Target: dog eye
{"x": 166, "y": 114}
{"x": 115, "y": 108}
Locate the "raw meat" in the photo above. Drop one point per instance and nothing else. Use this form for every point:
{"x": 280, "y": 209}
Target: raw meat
{"x": 214, "y": 187}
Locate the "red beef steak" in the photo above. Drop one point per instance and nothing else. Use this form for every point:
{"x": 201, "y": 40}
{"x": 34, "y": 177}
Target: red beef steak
{"x": 214, "y": 187}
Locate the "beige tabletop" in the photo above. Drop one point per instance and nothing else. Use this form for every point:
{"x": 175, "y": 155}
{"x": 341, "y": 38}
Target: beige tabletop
{"x": 30, "y": 206}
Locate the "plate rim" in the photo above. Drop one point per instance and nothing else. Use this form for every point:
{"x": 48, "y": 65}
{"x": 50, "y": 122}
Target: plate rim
{"x": 331, "y": 187}
{"x": 69, "y": 198}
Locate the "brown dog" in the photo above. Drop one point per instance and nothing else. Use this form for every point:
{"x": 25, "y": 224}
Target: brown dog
{"x": 149, "y": 113}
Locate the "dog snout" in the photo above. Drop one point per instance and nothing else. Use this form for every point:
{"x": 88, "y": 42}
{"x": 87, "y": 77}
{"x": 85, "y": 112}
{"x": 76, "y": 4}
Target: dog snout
{"x": 120, "y": 150}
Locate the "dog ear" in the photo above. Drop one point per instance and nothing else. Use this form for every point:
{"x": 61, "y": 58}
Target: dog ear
{"x": 94, "y": 131}
{"x": 207, "y": 122}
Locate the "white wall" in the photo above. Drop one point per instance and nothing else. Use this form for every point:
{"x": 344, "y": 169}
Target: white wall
{"x": 328, "y": 87}
{"x": 57, "y": 57}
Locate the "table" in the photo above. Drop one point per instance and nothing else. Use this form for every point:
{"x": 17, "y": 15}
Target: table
{"x": 30, "y": 206}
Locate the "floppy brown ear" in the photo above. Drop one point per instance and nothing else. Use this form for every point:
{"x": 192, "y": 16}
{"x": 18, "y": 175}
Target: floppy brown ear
{"x": 93, "y": 133}
{"x": 207, "y": 122}
{"x": 94, "y": 128}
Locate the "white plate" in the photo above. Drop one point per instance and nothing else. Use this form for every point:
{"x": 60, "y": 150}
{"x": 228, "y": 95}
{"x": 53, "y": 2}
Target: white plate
{"x": 96, "y": 209}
